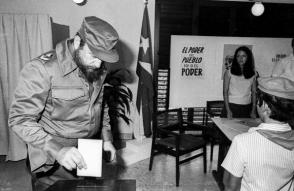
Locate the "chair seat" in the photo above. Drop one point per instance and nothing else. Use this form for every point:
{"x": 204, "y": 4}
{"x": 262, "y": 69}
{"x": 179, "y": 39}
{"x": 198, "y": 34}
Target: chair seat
{"x": 187, "y": 142}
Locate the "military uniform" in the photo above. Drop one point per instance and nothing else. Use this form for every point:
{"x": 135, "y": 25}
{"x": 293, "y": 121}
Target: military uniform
{"x": 52, "y": 107}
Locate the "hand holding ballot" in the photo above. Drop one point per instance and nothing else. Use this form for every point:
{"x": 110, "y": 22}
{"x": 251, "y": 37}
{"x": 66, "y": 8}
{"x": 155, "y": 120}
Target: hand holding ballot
{"x": 91, "y": 150}
{"x": 71, "y": 158}
{"x": 87, "y": 158}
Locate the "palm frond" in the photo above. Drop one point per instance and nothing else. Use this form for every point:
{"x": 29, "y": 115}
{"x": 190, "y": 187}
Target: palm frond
{"x": 117, "y": 95}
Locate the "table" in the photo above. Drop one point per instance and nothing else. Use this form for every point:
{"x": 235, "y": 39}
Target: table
{"x": 229, "y": 128}
{"x": 93, "y": 185}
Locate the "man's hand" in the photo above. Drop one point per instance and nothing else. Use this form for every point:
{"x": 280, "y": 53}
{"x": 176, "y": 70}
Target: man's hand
{"x": 71, "y": 158}
{"x": 108, "y": 146}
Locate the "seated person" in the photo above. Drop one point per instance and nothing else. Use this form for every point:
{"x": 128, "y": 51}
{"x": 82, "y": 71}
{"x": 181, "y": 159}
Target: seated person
{"x": 263, "y": 158}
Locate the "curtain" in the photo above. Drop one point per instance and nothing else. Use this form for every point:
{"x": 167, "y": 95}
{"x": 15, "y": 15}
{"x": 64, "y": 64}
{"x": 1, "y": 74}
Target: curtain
{"x": 22, "y": 37}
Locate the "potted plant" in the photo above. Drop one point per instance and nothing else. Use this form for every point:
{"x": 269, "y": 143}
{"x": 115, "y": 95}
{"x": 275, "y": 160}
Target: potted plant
{"x": 118, "y": 97}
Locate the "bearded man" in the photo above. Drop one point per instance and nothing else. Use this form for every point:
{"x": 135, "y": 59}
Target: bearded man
{"x": 59, "y": 98}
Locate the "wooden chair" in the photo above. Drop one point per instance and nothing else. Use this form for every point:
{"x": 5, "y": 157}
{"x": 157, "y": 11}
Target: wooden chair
{"x": 169, "y": 138}
{"x": 213, "y": 109}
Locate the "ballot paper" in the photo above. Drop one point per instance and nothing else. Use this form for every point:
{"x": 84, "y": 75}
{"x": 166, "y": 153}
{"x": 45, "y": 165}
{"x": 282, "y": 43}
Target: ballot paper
{"x": 91, "y": 150}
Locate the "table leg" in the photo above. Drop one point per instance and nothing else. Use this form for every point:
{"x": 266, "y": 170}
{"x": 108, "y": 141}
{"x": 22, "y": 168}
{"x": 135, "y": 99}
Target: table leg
{"x": 223, "y": 149}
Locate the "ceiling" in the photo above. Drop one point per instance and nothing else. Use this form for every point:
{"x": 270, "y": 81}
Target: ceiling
{"x": 265, "y": 1}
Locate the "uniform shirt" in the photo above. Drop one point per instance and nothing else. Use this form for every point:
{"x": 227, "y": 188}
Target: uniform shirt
{"x": 240, "y": 89}
{"x": 262, "y": 164}
{"x": 52, "y": 106}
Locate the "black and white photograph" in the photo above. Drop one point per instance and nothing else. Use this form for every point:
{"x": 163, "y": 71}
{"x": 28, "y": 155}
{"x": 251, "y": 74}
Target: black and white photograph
{"x": 146, "y": 95}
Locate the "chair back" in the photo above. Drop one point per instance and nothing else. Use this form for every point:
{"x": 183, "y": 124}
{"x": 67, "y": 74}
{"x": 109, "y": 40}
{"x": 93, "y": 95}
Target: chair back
{"x": 170, "y": 119}
{"x": 195, "y": 115}
{"x": 213, "y": 109}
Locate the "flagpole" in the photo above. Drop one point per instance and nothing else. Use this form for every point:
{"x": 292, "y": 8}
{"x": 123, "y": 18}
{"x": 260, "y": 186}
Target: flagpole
{"x": 146, "y": 3}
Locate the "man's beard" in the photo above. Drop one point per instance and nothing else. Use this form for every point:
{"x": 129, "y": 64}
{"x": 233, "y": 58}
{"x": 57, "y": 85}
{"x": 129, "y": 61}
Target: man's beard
{"x": 90, "y": 73}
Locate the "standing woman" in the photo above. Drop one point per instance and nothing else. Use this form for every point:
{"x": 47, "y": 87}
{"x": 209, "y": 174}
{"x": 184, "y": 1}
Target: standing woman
{"x": 239, "y": 86}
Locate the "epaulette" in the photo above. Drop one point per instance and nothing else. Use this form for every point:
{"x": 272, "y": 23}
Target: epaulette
{"x": 46, "y": 57}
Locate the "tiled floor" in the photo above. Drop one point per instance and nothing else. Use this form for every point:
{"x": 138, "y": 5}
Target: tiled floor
{"x": 162, "y": 177}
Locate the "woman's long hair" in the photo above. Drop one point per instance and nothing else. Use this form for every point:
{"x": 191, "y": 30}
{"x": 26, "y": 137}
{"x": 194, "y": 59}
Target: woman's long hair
{"x": 249, "y": 69}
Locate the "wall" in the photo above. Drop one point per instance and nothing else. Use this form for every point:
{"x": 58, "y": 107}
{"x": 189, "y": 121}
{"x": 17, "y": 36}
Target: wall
{"x": 125, "y": 15}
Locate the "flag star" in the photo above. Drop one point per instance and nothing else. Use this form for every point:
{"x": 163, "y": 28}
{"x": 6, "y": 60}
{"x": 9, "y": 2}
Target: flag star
{"x": 144, "y": 43}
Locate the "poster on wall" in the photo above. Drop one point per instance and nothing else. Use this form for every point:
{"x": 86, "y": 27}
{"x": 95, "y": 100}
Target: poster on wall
{"x": 197, "y": 64}
{"x": 276, "y": 59}
{"x": 229, "y": 51}
{"x": 192, "y": 61}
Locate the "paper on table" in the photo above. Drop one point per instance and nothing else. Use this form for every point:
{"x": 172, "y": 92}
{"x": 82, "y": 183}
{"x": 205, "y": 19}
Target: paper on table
{"x": 91, "y": 150}
{"x": 250, "y": 122}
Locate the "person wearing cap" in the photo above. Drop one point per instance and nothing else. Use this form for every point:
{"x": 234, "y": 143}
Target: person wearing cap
{"x": 59, "y": 99}
{"x": 285, "y": 67}
{"x": 263, "y": 158}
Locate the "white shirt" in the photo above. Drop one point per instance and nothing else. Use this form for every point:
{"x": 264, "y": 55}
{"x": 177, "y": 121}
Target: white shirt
{"x": 240, "y": 89}
{"x": 262, "y": 164}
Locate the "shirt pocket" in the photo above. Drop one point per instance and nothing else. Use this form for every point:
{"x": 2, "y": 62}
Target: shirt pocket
{"x": 69, "y": 103}
{"x": 67, "y": 93}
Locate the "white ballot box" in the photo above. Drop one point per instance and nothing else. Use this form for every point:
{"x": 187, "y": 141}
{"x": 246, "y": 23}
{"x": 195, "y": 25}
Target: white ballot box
{"x": 91, "y": 150}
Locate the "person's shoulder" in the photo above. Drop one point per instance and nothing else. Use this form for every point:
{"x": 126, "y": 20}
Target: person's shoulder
{"x": 246, "y": 136}
{"x": 41, "y": 60}
{"x": 46, "y": 57}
